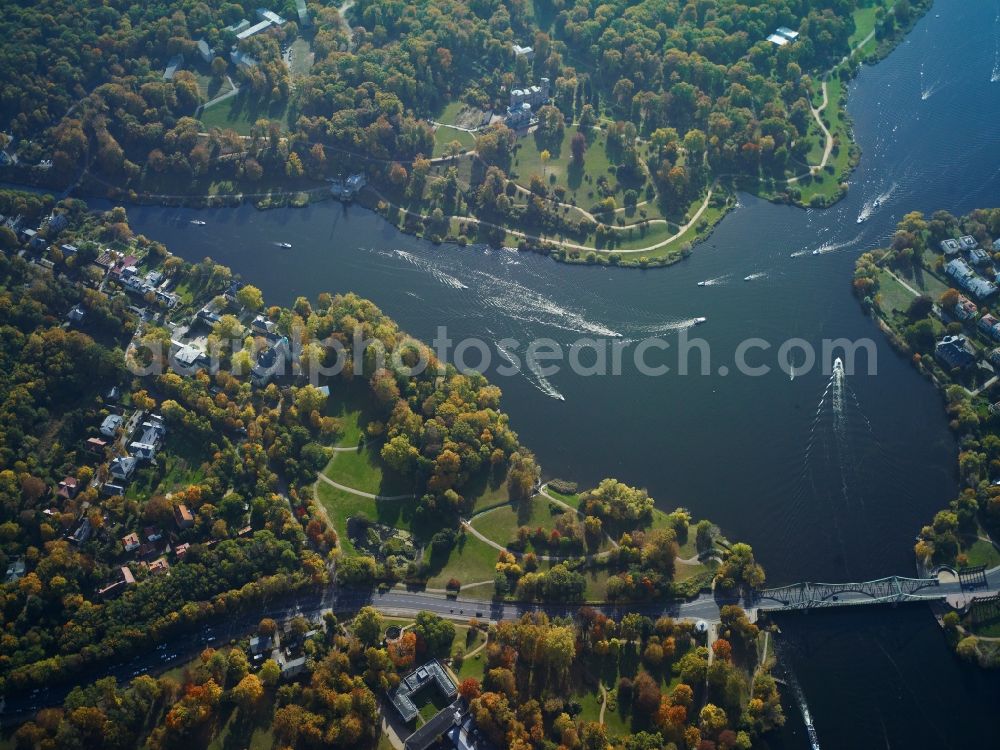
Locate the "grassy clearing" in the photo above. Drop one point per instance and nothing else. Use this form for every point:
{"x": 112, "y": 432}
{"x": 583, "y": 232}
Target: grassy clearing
{"x": 348, "y": 403}
{"x": 826, "y": 184}
{"x": 893, "y": 296}
{"x": 501, "y": 525}
{"x": 364, "y": 470}
{"x": 239, "y": 113}
{"x": 487, "y": 491}
{"x": 579, "y": 181}
{"x": 444, "y": 136}
{"x": 981, "y": 552}
{"x": 340, "y": 506}
{"x": 300, "y": 57}
{"x": 572, "y": 500}
{"x": 210, "y": 87}
{"x": 470, "y": 561}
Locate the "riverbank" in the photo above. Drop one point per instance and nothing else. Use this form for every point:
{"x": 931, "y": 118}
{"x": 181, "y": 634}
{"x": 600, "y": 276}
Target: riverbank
{"x": 921, "y": 291}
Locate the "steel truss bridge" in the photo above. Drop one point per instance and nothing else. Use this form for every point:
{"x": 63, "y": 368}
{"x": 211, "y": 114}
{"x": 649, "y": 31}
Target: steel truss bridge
{"x": 802, "y": 596}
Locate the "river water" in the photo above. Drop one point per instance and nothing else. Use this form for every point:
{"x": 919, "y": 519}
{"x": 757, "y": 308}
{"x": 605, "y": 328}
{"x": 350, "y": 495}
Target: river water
{"x": 828, "y": 479}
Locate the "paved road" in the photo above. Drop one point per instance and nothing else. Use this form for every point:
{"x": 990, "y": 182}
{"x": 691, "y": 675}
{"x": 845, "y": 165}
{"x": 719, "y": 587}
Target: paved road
{"x": 186, "y": 646}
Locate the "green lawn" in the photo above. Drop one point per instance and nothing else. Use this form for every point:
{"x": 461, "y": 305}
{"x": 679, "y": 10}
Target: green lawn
{"x": 572, "y": 500}
{"x": 892, "y": 294}
{"x": 239, "y": 113}
{"x": 428, "y": 702}
{"x": 981, "y": 552}
{"x": 210, "y": 87}
{"x": 501, "y": 524}
{"x": 528, "y": 162}
{"x": 340, "y": 506}
{"x": 486, "y": 491}
{"x": 348, "y": 403}
{"x": 444, "y": 136}
{"x": 470, "y": 561}
{"x": 363, "y": 470}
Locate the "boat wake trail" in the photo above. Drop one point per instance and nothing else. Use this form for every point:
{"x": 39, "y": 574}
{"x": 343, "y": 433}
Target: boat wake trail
{"x": 526, "y": 305}
{"x": 537, "y": 379}
{"x": 871, "y": 206}
{"x": 995, "y": 75}
{"x": 429, "y": 267}
{"x": 829, "y": 247}
{"x": 714, "y": 282}
{"x": 926, "y": 92}
{"x": 800, "y": 700}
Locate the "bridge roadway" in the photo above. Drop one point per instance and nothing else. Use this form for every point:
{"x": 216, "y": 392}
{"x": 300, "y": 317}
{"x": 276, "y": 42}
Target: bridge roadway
{"x": 185, "y": 647}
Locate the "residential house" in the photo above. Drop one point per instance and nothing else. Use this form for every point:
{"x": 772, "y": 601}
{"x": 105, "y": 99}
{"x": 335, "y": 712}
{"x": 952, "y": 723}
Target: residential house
{"x": 969, "y": 280}
{"x": 292, "y": 668}
{"x": 76, "y": 314}
{"x": 347, "y": 189}
{"x": 183, "y": 517}
{"x": 994, "y": 357}
{"x": 271, "y": 362}
{"x": 15, "y": 570}
{"x": 56, "y": 223}
{"x": 181, "y": 550}
{"x": 124, "y": 580}
{"x": 68, "y": 488}
{"x": 262, "y": 326}
{"x": 954, "y": 353}
{"x": 82, "y": 532}
{"x": 68, "y": 250}
{"x": 990, "y": 326}
{"x": 187, "y": 359}
{"x": 150, "y": 439}
{"x": 123, "y": 467}
{"x": 965, "y": 309}
{"x": 130, "y": 542}
{"x": 152, "y": 534}
{"x": 158, "y": 566}
{"x": 996, "y": 245}
{"x": 526, "y": 52}
{"x": 96, "y": 445}
{"x": 261, "y": 645}
{"x": 968, "y": 242}
{"x": 111, "y": 424}
{"x": 234, "y": 286}
{"x": 979, "y": 257}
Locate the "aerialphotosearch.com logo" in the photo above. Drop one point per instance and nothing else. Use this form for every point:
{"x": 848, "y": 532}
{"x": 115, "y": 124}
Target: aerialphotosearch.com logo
{"x": 273, "y": 356}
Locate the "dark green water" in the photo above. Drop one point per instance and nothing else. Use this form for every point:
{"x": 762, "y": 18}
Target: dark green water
{"x": 824, "y": 488}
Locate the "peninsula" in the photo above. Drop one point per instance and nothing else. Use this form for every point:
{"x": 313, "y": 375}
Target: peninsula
{"x": 933, "y": 291}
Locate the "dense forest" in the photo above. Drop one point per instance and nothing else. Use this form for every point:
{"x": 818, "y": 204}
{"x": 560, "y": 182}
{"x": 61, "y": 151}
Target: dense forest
{"x": 685, "y": 92}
